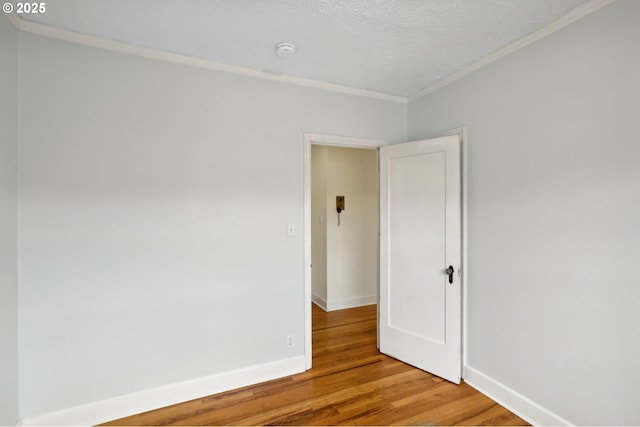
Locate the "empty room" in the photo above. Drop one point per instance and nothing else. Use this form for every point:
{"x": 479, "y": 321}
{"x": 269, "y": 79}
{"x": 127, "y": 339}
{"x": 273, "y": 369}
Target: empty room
{"x": 160, "y": 223}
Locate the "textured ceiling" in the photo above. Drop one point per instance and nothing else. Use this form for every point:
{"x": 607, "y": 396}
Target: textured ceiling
{"x": 397, "y": 47}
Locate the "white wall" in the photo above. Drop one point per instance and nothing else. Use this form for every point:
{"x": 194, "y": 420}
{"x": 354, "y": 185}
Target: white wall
{"x": 154, "y": 203}
{"x": 553, "y": 215}
{"x": 8, "y": 223}
{"x": 345, "y": 257}
{"x": 352, "y": 251}
{"x": 319, "y": 225}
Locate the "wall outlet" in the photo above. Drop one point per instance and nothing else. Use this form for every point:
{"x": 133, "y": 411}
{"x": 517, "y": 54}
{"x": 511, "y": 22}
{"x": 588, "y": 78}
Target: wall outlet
{"x": 291, "y": 341}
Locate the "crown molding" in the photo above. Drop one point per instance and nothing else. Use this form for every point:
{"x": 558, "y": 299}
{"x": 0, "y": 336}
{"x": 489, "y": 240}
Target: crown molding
{"x": 127, "y": 49}
{"x": 571, "y": 17}
{"x": 14, "y": 19}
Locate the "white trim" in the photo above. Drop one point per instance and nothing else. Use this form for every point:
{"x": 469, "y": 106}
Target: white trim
{"x": 114, "y": 46}
{"x": 352, "y": 302}
{"x": 571, "y": 17}
{"x": 343, "y": 141}
{"x": 343, "y": 303}
{"x": 320, "y": 139}
{"x": 520, "y": 405}
{"x": 319, "y": 301}
{"x": 15, "y": 20}
{"x": 127, "y": 49}
{"x": 130, "y": 404}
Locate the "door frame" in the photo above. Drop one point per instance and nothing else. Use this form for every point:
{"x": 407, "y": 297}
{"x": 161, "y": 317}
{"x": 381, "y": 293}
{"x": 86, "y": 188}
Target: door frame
{"x": 334, "y": 141}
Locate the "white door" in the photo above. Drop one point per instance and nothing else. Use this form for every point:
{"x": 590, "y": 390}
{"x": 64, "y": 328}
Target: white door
{"x": 420, "y": 234}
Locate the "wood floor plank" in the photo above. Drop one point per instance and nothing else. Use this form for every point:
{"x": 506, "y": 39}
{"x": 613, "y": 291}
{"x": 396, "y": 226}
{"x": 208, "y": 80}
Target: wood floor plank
{"x": 351, "y": 383}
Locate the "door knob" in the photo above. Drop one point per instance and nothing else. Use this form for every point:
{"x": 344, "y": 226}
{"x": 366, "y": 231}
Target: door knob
{"x": 450, "y": 271}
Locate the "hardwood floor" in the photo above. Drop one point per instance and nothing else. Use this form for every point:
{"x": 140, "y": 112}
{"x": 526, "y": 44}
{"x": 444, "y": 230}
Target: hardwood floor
{"x": 351, "y": 383}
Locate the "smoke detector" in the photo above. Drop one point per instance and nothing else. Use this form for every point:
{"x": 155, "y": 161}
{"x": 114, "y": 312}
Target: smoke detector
{"x": 285, "y": 49}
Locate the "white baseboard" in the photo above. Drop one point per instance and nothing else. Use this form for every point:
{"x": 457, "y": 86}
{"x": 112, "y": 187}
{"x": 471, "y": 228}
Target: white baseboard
{"x": 333, "y": 305}
{"x": 344, "y": 303}
{"x": 319, "y": 301}
{"x": 130, "y": 404}
{"x": 520, "y": 405}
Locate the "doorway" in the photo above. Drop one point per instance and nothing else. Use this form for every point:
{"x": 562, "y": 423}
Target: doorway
{"x": 351, "y": 226}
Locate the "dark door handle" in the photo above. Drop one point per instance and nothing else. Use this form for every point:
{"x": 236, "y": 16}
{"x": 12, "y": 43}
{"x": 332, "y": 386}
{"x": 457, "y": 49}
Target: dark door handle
{"x": 449, "y": 271}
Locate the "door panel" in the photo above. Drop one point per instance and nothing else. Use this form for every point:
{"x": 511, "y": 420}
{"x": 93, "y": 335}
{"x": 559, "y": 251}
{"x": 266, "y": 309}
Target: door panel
{"x": 420, "y": 237}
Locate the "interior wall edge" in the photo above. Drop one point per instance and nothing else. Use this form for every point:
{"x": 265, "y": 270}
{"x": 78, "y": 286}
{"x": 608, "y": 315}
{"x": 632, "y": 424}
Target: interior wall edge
{"x": 9, "y": 222}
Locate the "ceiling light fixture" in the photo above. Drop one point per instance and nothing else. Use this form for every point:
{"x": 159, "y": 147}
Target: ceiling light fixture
{"x": 285, "y": 49}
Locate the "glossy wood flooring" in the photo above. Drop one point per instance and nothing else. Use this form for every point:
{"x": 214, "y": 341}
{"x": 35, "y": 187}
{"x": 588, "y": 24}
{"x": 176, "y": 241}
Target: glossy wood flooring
{"x": 351, "y": 383}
